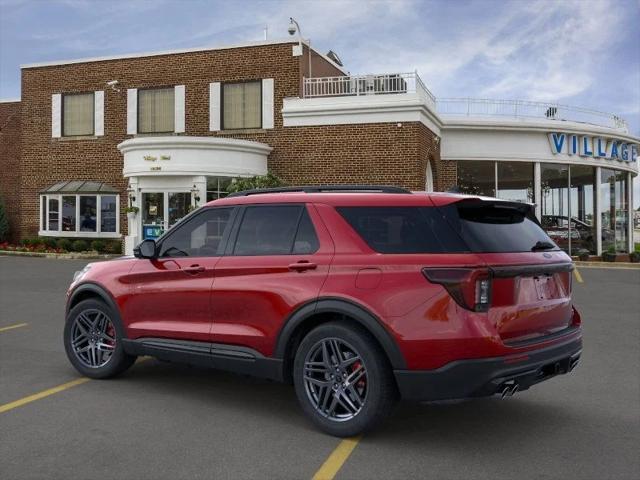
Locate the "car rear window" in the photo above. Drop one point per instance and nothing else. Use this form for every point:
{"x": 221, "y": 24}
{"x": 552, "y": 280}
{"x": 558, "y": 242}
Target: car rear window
{"x": 403, "y": 229}
{"x": 490, "y": 227}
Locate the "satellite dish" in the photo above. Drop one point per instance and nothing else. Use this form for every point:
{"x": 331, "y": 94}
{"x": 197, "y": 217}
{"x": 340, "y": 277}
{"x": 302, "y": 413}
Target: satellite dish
{"x": 334, "y": 57}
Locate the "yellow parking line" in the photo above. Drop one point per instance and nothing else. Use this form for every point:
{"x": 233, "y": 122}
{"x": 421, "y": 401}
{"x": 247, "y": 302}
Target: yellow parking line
{"x": 51, "y": 391}
{"x": 11, "y": 327}
{"x": 45, "y": 393}
{"x": 578, "y": 276}
{"x": 334, "y": 463}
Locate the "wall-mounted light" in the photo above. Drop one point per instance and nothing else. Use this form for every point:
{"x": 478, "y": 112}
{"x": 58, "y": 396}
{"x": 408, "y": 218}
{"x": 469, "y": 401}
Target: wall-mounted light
{"x": 132, "y": 196}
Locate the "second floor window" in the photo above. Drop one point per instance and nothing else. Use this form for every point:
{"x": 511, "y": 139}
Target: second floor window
{"x": 242, "y": 105}
{"x": 156, "y": 110}
{"x": 77, "y": 114}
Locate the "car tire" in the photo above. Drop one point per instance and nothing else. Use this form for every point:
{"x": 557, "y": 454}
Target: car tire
{"x": 93, "y": 337}
{"x": 343, "y": 396}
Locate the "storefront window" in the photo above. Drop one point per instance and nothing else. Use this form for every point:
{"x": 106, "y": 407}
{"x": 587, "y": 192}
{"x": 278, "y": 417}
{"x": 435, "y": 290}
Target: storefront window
{"x": 69, "y": 213}
{"x": 477, "y": 178}
{"x": 554, "y": 182}
{"x": 217, "y": 187}
{"x": 54, "y": 213}
{"x": 515, "y": 181}
{"x": 77, "y": 215}
{"x": 615, "y": 210}
{"x": 582, "y": 205}
{"x": 108, "y": 213}
{"x": 88, "y": 214}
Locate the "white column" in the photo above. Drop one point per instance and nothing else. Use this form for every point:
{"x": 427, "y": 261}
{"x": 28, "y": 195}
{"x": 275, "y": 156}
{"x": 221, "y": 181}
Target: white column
{"x": 598, "y": 211}
{"x": 630, "y": 212}
{"x": 133, "y": 222}
{"x": 537, "y": 189}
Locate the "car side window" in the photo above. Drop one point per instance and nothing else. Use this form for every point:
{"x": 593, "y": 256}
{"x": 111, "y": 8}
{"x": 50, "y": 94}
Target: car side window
{"x": 199, "y": 236}
{"x": 276, "y": 230}
{"x": 306, "y": 239}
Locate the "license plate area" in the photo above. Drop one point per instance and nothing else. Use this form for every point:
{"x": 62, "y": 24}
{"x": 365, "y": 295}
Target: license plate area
{"x": 546, "y": 287}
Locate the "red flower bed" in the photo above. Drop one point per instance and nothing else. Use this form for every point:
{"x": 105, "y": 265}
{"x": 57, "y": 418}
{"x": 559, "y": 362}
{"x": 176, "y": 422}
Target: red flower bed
{"x": 38, "y": 248}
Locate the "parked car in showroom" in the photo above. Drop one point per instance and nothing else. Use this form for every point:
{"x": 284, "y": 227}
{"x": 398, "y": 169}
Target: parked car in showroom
{"x": 357, "y": 295}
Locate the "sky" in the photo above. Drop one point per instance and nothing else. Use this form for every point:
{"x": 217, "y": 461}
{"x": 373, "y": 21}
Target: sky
{"x": 576, "y": 52}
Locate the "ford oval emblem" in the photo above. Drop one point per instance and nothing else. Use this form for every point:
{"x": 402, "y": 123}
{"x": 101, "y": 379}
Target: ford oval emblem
{"x": 547, "y": 255}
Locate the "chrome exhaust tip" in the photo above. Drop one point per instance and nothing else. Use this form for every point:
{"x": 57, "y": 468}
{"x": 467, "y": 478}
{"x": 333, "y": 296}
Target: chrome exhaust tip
{"x": 508, "y": 389}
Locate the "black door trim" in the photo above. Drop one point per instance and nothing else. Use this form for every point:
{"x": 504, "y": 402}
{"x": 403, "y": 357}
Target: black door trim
{"x": 220, "y": 356}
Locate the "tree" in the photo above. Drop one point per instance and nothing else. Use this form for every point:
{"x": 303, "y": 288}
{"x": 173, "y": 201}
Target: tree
{"x": 259, "y": 181}
{"x": 4, "y": 223}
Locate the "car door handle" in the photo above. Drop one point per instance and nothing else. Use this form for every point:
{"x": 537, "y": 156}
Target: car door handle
{"x": 193, "y": 269}
{"x": 302, "y": 265}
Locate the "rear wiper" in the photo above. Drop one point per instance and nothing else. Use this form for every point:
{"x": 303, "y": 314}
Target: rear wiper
{"x": 542, "y": 246}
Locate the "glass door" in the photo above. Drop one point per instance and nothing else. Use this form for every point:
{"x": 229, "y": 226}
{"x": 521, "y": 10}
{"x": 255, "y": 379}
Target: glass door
{"x": 179, "y": 204}
{"x": 162, "y": 210}
{"x": 153, "y": 216}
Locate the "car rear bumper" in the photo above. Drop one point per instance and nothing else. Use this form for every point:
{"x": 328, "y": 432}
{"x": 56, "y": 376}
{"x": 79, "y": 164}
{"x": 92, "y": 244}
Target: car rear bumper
{"x": 489, "y": 376}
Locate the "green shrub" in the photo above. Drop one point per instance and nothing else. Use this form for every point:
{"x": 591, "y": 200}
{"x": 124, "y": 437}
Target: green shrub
{"x": 4, "y": 223}
{"x": 259, "y": 181}
{"x": 80, "y": 246}
{"x": 48, "y": 242}
{"x": 65, "y": 244}
{"x": 27, "y": 242}
{"x": 114, "y": 247}
{"x": 98, "y": 246}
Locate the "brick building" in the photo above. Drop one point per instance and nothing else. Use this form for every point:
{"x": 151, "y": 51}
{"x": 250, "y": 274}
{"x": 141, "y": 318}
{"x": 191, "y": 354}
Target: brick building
{"x": 167, "y": 131}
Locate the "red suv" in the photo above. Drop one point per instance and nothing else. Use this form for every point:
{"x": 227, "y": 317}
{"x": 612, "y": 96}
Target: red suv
{"x": 357, "y": 295}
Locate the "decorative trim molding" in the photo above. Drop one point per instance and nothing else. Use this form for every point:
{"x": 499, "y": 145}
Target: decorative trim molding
{"x": 392, "y": 108}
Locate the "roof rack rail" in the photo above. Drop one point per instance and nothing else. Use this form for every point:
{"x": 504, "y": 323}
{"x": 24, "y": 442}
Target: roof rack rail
{"x": 322, "y": 189}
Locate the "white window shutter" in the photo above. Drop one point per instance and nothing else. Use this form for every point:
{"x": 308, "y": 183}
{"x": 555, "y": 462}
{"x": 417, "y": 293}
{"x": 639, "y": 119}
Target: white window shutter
{"x": 56, "y": 115}
{"x": 214, "y": 106}
{"x": 98, "y": 113}
{"x": 179, "y": 108}
{"x": 267, "y": 103}
{"x": 132, "y": 111}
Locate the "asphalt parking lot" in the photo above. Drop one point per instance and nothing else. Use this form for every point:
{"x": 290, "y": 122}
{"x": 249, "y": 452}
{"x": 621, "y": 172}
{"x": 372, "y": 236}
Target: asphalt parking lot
{"x": 163, "y": 421}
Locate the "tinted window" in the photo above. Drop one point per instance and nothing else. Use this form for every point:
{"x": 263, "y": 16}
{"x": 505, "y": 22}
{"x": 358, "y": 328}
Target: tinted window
{"x": 306, "y": 239}
{"x": 199, "y": 236}
{"x": 268, "y": 230}
{"x": 403, "y": 229}
{"x": 489, "y": 227}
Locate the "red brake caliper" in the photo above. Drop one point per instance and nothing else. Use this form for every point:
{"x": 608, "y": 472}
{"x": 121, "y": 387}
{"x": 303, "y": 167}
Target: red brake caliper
{"x": 112, "y": 333}
{"x": 363, "y": 381}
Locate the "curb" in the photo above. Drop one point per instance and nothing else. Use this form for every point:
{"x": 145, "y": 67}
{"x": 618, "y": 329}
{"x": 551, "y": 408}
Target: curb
{"x": 627, "y": 265}
{"x": 59, "y": 256}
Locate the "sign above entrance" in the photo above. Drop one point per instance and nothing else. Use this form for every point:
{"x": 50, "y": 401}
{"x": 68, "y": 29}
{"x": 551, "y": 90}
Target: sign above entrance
{"x": 591, "y": 146}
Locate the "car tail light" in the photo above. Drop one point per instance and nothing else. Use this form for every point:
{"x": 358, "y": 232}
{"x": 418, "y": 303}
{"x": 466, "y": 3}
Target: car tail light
{"x": 469, "y": 287}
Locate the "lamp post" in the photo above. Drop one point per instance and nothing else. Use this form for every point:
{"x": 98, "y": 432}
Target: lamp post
{"x": 293, "y": 28}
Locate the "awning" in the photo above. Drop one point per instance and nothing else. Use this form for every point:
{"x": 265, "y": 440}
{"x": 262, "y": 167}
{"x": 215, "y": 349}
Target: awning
{"x": 80, "y": 186}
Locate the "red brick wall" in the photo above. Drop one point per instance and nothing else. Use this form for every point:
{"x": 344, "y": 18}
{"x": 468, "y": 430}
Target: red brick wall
{"x": 10, "y": 160}
{"x": 372, "y": 153}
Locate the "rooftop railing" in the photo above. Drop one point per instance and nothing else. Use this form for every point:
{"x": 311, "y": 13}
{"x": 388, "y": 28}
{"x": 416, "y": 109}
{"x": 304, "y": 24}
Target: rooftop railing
{"x": 399, "y": 83}
{"x": 357, "y": 85}
{"x": 479, "y": 107}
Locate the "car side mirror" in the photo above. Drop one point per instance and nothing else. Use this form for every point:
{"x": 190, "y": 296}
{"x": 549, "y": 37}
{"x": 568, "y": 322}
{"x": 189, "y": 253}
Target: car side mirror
{"x": 146, "y": 249}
